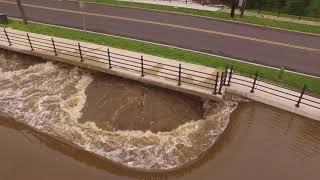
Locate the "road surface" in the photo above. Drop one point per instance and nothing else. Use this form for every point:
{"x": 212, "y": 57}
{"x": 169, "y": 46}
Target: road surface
{"x": 295, "y": 51}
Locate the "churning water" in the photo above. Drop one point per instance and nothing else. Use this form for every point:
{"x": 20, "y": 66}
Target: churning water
{"x": 51, "y": 98}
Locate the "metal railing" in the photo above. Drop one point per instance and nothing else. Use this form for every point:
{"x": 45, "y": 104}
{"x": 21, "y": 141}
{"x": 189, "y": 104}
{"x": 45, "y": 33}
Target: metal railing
{"x": 254, "y": 83}
{"x": 174, "y": 73}
{"x": 145, "y": 67}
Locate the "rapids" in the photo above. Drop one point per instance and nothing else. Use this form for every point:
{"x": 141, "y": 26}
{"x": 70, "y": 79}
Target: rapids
{"x": 50, "y": 97}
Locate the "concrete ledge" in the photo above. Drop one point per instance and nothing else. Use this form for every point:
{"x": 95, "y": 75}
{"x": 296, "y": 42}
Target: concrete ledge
{"x": 275, "y": 102}
{"x": 120, "y": 72}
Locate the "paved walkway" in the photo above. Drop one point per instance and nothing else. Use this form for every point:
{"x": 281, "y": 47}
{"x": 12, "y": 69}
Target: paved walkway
{"x": 127, "y": 64}
{"x": 275, "y": 96}
{"x": 178, "y": 3}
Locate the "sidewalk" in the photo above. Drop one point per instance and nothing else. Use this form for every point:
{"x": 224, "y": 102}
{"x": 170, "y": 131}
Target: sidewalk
{"x": 281, "y": 99}
{"x": 177, "y": 3}
{"x": 264, "y": 92}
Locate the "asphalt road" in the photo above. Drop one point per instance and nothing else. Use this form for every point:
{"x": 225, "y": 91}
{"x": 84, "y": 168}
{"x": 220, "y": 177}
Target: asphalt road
{"x": 296, "y": 51}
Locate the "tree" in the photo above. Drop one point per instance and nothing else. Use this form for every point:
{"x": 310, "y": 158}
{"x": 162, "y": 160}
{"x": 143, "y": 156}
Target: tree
{"x": 313, "y": 8}
{"x": 23, "y": 15}
{"x": 296, "y": 7}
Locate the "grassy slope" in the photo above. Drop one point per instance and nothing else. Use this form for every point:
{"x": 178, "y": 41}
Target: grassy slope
{"x": 289, "y": 79}
{"x": 220, "y": 15}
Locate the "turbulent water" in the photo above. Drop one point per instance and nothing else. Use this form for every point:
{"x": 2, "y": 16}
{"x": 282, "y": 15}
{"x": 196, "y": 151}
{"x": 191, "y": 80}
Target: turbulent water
{"x": 50, "y": 97}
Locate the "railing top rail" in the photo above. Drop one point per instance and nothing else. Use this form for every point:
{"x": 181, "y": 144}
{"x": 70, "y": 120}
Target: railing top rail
{"x": 178, "y": 73}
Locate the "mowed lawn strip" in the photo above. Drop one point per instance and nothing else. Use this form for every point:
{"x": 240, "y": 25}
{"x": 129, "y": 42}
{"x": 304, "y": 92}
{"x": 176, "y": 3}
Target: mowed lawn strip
{"x": 290, "y": 80}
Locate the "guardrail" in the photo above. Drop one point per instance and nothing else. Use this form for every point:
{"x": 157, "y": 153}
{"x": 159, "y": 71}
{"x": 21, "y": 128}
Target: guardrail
{"x": 181, "y": 75}
{"x": 255, "y": 83}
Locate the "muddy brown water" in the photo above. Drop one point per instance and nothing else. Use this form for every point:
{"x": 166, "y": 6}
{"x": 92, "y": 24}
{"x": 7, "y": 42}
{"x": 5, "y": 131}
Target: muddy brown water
{"x": 127, "y": 122}
{"x": 131, "y": 124}
{"x": 261, "y": 142}
{"x": 129, "y": 106}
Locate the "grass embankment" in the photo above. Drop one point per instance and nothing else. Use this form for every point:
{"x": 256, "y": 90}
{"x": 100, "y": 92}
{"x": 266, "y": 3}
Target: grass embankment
{"x": 289, "y": 79}
{"x": 218, "y": 14}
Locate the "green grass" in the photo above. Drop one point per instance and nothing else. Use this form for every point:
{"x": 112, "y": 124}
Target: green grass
{"x": 289, "y": 79}
{"x": 218, "y": 14}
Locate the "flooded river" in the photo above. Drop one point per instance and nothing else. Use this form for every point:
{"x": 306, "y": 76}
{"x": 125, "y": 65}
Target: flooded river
{"x": 132, "y": 125}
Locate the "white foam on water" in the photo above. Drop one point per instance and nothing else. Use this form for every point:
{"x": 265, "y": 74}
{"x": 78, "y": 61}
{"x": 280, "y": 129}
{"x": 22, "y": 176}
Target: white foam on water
{"x": 50, "y": 98}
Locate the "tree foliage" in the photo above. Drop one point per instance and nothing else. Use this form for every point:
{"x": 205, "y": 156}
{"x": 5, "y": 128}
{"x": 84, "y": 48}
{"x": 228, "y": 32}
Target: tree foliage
{"x": 294, "y": 7}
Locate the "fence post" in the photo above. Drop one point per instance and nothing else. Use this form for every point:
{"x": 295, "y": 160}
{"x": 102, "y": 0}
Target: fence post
{"x": 7, "y": 37}
{"x": 225, "y": 78}
{"x": 230, "y": 76}
{"x": 254, "y": 82}
{"x": 54, "y": 47}
{"x": 221, "y": 82}
{"x": 279, "y": 12}
{"x": 216, "y": 84}
{"x": 301, "y": 95}
{"x": 225, "y": 75}
{"x": 179, "y": 81}
{"x": 109, "y": 59}
{"x": 80, "y": 52}
{"x": 29, "y": 41}
{"x": 142, "y": 70}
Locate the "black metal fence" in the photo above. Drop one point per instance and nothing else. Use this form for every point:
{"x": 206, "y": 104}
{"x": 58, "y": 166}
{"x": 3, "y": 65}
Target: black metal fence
{"x": 255, "y": 83}
{"x": 176, "y": 73}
